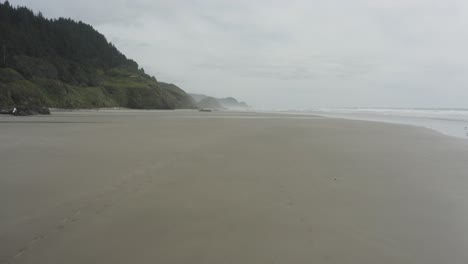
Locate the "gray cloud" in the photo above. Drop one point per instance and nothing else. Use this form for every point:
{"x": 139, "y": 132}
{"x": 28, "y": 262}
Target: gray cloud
{"x": 297, "y": 53}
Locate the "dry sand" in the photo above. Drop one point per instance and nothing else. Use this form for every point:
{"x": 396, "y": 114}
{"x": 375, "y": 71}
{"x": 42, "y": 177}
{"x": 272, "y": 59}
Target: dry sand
{"x": 189, "y": 187}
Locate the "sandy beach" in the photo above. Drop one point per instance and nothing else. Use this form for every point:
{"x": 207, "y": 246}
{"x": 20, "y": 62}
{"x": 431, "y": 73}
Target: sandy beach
{"x": 190, "y": 187}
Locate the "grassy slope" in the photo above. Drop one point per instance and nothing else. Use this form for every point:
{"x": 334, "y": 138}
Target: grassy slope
{"x": 118, "y": 87}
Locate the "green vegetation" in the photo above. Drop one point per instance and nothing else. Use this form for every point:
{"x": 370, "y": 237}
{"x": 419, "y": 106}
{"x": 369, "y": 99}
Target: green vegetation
{"x": 66, "y": 64}
{"x": 177, "y": 95}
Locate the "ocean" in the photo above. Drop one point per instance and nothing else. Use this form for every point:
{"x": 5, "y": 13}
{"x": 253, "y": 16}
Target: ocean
{"x": 451, "y": 122}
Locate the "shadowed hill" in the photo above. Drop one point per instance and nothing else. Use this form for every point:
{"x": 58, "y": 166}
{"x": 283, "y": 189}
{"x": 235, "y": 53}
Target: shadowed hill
{"x": 209, "y": 103}
{"x": 230, "y": 102}
{"x": 204, "y": 101}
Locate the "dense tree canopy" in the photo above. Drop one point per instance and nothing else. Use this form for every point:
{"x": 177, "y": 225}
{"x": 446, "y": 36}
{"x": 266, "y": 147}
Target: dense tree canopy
{"x": 72, "y": 48}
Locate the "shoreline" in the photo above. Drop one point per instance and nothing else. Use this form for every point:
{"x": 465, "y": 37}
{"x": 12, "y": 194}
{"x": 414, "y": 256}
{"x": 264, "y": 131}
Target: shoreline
{"x": 250, "y": 112}
{"x": 449, "y": 126}
{"x": 440, "y": 129}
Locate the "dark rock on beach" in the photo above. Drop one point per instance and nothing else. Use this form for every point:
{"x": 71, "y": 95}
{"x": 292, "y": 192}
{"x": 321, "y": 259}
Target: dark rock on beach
{"x": 25, "y": 111}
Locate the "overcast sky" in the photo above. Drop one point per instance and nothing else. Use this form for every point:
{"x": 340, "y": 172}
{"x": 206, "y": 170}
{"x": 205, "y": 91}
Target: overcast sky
{"x": 292, "y": 54}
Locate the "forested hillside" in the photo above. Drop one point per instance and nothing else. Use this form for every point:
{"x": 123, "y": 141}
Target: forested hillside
{"x": 67, "y": 64}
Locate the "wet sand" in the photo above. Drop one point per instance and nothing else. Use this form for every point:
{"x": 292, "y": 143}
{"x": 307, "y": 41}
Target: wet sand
{"x": 190, "y": 187}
